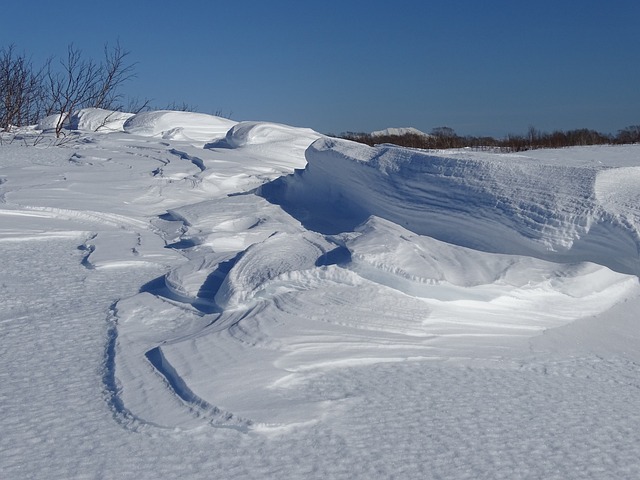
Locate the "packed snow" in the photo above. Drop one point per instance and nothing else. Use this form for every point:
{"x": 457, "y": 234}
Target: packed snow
{"x": 183, "y": 295}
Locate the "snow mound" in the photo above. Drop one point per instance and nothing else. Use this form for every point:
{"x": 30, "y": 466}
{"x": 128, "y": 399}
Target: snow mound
{"x": 49, "y": 122}
{"x": 496, "y": 203}
{"x": 173, "y": 125}
{"x": 420, "y": 266}
{"x": 277, "y": 256}
{"x": 88, "y": 120}
{"x": 98, "y": 120}
{"x": 260, "y": 133}
{"x": 272, "y": 140}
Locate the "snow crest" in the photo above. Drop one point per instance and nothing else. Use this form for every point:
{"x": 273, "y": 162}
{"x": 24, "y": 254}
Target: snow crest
{"x": 501, "y": 204}
{"x": 99, "y": 120}
{"x": 259, "y": 133}
{"x": 168, "y": 124}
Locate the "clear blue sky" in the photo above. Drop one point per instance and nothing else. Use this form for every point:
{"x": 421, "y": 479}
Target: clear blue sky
{"x": 480, "y": 67}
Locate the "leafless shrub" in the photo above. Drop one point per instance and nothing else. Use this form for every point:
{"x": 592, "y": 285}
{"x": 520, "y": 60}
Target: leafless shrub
{"x": 21, "y": 92}
{"x": 630, "y": 134}
{"x": 136, "y": 105}
{"x": 81, "y": 83}
{"x": 181, "y": 107}
{"x": 445, "y": 137}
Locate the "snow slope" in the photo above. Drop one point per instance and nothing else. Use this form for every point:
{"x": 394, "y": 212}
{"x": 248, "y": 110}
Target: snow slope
{"x": 169, "y": 124}
{"x": 399, "y": 132}
{"x": 496, "y": 203}
{"x": 182, "y": 295}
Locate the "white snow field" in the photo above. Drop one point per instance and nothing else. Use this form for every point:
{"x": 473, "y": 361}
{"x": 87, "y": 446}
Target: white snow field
{"x": 183, "y": 296}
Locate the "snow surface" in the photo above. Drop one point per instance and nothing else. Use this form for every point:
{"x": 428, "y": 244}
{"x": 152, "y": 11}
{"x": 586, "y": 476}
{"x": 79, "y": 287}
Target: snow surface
{"x": 186, "y": 296}
{"x": 168, "y": 124}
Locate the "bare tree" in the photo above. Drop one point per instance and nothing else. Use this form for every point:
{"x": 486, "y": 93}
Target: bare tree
{"x": 181, "y": 107}
{"x": 113, "y": 73}
{"x": 83, "y": 83}
{"x": 21, "y": 93}
{"x": 630, "y": 134}
{"x": 136, "y": 105}
{"x": 445, "y": 137}
{"x": 71, "y": 87}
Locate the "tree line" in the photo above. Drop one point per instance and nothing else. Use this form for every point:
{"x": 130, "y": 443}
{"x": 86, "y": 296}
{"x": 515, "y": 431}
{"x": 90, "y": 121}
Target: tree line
{"x": 61, "y": 86}
{"x": 445, "y": 137}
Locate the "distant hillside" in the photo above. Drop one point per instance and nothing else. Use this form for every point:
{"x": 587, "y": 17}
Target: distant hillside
{"x": 399, "y": 132}
{"x": 446, "y": 137}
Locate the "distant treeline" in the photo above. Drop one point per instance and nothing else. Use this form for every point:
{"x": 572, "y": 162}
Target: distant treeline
{"x": 445, "y": 137}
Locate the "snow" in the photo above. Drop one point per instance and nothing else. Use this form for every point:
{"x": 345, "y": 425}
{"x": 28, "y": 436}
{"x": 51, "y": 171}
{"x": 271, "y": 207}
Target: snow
{"x": 514, "y": 204}
{"x": 169, "y": 124}
{"x": 183, "y": 295}
{"x": 99, "y": 119}
{"x": 399, "y": 132}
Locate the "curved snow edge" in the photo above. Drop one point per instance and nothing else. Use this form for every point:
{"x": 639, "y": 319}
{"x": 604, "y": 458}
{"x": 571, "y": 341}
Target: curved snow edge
{"x": 494, "y": 203}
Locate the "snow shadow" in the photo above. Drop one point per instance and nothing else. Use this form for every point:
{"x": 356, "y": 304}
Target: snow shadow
{"x": 314, "y": 212}
{"x": 204, "y": 300}
{"x": 337, "y": 256}
{"x": 182, "y": 244}
{"x": 158, "y": 287}
{"x": 214, "y": 280}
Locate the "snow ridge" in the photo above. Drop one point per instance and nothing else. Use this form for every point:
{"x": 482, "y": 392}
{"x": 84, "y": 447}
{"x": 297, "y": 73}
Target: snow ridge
{"x": 505, "y": 204}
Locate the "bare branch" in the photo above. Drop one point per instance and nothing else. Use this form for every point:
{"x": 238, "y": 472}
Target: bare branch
{"x": 21, "y": 91}
{"x": 114, "y": 72}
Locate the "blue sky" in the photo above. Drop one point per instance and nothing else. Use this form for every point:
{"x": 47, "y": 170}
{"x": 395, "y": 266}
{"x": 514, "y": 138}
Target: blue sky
{"x": 482, "y": 68}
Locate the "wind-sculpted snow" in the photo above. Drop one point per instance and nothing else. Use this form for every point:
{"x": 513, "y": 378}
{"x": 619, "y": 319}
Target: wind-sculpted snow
{"x": 178, "y": 300}
{"x": 169, "y": 124}
{"x": 268, "y": 139}
{"x": 496, "y": 203}
{"x": 99, "y": 120}
{"x": 262, "y": 133}
{"x": 276, "y": 256}
{"x": 88, "y": 120}
{"x": 394, "y": 296}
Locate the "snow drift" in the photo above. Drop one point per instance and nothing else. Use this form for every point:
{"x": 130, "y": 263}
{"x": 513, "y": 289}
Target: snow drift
{"x": 262, "y": 133}
{"x": 88, "y": 120}
{"x": 269, "y": 139}
{"x": 169, "y": 124}
{"x": 511, "y": 204}
{"x": 184, "y": 285}
{"x": 99, "y": 120}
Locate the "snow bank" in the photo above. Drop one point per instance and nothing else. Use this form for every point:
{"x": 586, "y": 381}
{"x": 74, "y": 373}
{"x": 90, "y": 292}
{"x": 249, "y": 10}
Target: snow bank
{"x": 88, "y": 120}
{"x": 269, "y": 140}
{"x": 262, "y": 133}
{"x": 49, "y": 122}
{"x": 495, "y": 203}
{"x": 99, "y": 120}
{"x": 174, "y": 125}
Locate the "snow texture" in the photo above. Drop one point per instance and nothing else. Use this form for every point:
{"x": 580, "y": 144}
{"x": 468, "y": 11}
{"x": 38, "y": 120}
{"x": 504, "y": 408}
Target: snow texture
{"x": 187, "y": 296}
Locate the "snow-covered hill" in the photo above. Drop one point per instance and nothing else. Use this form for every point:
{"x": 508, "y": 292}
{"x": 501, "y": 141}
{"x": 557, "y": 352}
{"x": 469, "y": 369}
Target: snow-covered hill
{"x": 183, "y": 295}
{"x": 398, "y": 132}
